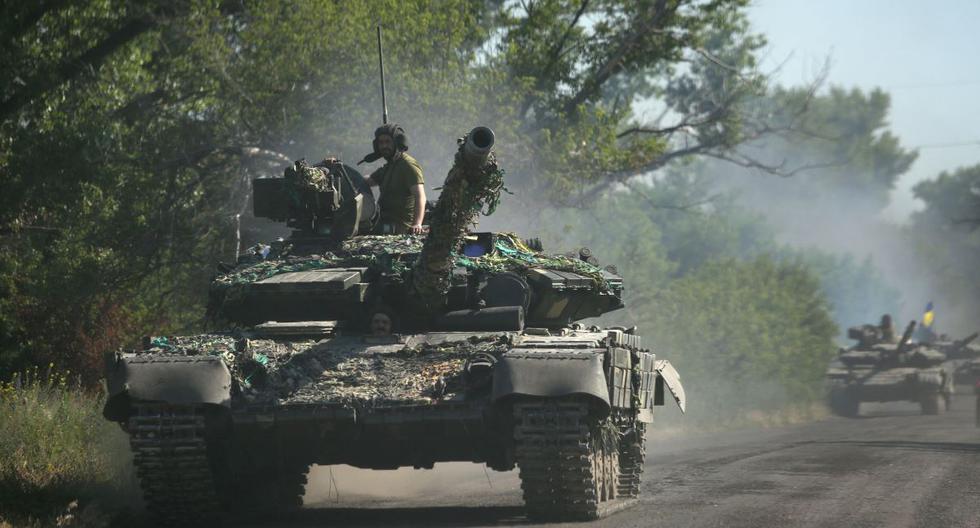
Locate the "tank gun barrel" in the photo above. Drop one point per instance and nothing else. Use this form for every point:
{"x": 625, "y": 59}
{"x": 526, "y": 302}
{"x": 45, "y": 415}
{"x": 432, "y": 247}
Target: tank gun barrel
{"x": 472, "y": 185}
{"x": 906, "y": 341}
{"x": 967, "y": 340}
{"x": 958, "y": 349}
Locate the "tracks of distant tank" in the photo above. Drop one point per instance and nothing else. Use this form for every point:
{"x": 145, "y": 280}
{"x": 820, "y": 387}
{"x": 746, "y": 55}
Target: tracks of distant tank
{"x": 171, "y": 458}
{"x": 567, "y": 472}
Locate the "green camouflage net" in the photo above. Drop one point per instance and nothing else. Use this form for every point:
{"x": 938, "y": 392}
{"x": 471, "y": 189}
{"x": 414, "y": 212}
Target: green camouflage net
{"x": 512, "y": 254}
{"x": 394, "y": 255}
{"x": 354, "y": 372}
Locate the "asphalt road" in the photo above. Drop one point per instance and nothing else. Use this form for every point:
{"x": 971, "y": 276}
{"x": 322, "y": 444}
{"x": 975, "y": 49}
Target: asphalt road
{"x": 891, "y": 468}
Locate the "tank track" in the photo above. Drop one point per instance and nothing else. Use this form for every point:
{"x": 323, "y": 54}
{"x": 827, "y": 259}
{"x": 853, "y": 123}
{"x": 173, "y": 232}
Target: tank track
{"x": 565, "y": 472}
{"x": 170, "y": 454}
{"x": 632, "y": 455}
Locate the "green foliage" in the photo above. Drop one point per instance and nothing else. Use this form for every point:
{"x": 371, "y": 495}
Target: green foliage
{"x": 56, "y": 448}
{"x": 947, "y": 231}
{"x": 122, "y": 181}
{"x": 843, "y": 137}
{"x": 129, "y": 132}
{"x": 747, "y": 321}
{"x": 752, "y": 333}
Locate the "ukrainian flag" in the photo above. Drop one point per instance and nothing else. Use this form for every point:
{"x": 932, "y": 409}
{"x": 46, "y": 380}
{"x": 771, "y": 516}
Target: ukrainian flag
{"x": 929, "y": 316}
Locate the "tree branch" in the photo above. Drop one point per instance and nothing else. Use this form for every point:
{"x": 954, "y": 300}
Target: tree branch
{"x": 41, "y": 83}
{"x": 614, "y": 62}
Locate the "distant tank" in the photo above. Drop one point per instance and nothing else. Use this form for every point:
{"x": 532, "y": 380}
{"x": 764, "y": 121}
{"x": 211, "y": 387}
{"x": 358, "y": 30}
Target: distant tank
{"x": 960, "y": 354}
{"x": 877, "y": 371}
{"x": 336, "y": 347}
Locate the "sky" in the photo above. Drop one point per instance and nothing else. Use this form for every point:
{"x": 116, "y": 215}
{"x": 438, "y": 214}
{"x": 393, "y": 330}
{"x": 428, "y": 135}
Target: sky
{"x": 925, "y": 54}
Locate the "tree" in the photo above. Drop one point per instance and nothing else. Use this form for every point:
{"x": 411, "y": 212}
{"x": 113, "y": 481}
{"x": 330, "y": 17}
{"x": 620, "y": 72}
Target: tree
{"x": 130, "y": 131}
{"x": 946, "y": 233}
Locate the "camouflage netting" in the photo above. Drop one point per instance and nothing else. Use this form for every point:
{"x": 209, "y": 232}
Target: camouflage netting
{"x": 394, "y": 255}
{"x": 512, "y": 254}
{"x": 473, "y": 184}
{"x": 349, "y": 371}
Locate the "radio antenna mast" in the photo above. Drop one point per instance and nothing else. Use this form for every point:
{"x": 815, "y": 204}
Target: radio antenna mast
{"x": 381, "y": 66}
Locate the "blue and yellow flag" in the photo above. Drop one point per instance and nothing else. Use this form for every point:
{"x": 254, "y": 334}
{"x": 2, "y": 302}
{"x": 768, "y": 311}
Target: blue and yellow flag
{"x": 929, "y": 316}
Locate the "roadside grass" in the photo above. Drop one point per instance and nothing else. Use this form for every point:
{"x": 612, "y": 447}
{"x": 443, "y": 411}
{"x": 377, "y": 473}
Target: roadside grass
{"x": 61, "y": 462}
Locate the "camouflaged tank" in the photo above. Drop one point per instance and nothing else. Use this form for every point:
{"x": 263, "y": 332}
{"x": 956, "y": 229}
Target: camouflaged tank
{"x": 878, "y": 371}
{"x": 390, "y": 351}
{"x": 960, "y": 354}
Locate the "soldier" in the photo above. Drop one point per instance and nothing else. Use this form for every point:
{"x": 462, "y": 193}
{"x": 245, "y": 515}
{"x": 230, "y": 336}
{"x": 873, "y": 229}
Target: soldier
{"x": 402, "y": 186}
{"x": 382, "y": 322}
{"x": 887, "y": 329}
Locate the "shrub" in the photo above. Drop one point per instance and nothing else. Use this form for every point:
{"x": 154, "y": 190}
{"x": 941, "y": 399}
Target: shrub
{"x": 57, "y": 451}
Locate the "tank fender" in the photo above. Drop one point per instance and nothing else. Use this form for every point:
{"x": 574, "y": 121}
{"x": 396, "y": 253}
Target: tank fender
{"x": 551, "y": 373}
{"x": 170, "y": 379}
{"x": 669, "y": 377}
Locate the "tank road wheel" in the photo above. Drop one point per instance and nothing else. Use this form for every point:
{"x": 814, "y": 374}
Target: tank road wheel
{"x": 171, "y": 458}
{"x": 632, "y": 453}
{"x": 933, "y": 403}
{"x": 569, "y": 463}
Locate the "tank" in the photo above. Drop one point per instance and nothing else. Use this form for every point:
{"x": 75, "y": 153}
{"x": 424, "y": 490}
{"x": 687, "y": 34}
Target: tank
{"x": 339, "y": 347}
{"x": 960, "y": 354}
{"x": 875, "y": 370}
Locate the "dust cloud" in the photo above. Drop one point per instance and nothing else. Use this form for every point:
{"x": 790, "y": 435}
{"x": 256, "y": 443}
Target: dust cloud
{"x": 808, "y": 214}
{"x": 448, "y": 483}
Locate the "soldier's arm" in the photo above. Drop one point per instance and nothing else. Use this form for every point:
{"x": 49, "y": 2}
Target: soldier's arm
{"x": 374, "y": 179}
{"x": 418, "y": 192}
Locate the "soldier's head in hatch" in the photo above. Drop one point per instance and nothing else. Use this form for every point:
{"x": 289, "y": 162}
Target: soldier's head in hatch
{"x": 390, "y": 139}
{"x": 381, "y": 324}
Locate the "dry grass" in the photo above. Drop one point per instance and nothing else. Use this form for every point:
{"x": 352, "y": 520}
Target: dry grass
{"x": 61, "y": 462}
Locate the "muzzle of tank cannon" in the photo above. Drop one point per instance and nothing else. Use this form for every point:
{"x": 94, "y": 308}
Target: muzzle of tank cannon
{"x": 478, "y": 144}
{"x": 473, "y": 182}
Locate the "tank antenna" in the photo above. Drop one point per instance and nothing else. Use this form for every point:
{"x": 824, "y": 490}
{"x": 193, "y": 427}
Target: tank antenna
{"x": 381, "y": 66}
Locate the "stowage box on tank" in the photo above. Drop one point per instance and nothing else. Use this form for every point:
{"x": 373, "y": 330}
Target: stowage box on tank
{"x": 339, "y": 347}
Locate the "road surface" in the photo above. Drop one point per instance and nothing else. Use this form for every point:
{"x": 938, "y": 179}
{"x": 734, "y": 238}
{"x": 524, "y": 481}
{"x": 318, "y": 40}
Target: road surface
{"x": 890, "y": 468}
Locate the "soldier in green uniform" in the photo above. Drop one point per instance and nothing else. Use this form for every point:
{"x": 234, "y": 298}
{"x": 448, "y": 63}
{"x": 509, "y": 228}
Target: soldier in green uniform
{"x": 402, "y": 200}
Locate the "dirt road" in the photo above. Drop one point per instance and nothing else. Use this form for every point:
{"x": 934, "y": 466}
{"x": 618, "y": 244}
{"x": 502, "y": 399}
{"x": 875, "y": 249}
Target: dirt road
{"x": 890, "y": 468}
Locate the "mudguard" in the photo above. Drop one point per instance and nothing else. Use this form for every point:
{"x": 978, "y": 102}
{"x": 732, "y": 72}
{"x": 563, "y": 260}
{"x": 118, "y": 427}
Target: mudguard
{"x": 551, "y": 372}
{"x": 170, "y": 379}
{"x": 672, "y": 380}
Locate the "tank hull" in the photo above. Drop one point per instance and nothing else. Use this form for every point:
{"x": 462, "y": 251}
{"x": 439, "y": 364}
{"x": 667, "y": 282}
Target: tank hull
{"x": 500, "y": 399}
{"x": 932, "y": 388}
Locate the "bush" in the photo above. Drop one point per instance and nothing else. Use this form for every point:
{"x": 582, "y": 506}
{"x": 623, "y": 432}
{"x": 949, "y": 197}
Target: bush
{"x": 746, "y": 336}
{"x": 60, "y": 460}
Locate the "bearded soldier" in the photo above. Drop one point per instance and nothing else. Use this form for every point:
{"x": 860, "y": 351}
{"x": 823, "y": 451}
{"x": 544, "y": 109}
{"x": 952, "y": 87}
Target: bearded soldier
{"x": 402, "y": 200}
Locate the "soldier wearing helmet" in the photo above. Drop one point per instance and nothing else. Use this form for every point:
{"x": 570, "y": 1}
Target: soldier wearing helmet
{"x": 887, "y": 329}
{"x": 402, "y": 186}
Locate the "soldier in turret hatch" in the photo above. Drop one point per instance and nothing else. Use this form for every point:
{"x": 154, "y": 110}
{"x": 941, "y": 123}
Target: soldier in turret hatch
{"x": 887, "y": 329}
{"x": 402, "y": 200}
